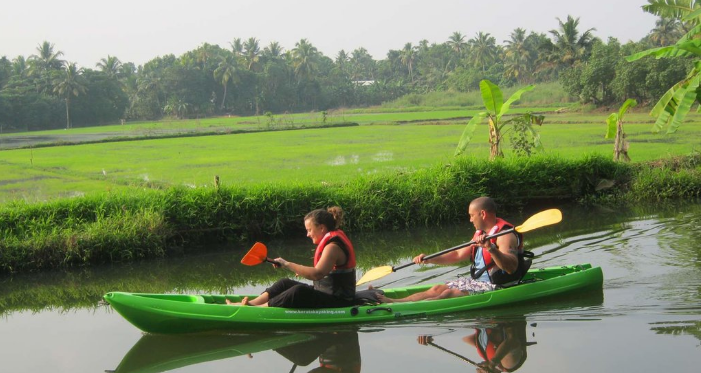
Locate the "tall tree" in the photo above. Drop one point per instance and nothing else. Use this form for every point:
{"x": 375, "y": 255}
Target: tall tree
{"x": 225, "y": 72}
{"x": 70, "y": 85}
{"x": 45, "y": 64}
{"x": 304, "y": 59}
{"x": 571, "y": 47}
{"x": 408, "y": 56}
{"x": 237, "y": 47}
{"x": 251, "y": 51}
{"x": 273, "y": 50}
{"x": 457, "y": 43}
{"x": 518, "y": 57}
{"x": 667, "y": 31}
{"x": 483, "y": 50}
{"x": 111, "y": 66}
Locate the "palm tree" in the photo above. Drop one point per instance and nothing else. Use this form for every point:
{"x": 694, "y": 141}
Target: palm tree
{"x": 110, "y": 66}
{"x": 45, "y": 63}
{"x": 226, "y": 71}
{"x": 251, "y": 52}
{"x": 571, "y": 47}
{"x": 273, "y": 50}
{"x": 518, "y": 57}
{"x": 666, "y": 32}
{"x": 408, "y": 55}
{"x": 483, "y": 50}
{"x": 304, "y": 59}
{"x": 457, "y": 42}
{"x": 20, "y": 67}
{"x": 70, "y": 85}
{"x": 237, "y": 47}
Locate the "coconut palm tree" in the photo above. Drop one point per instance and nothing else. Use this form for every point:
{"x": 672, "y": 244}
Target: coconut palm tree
{"x": 667, "y": 31}
{"x": 251, "y": 51}
{"x": 237, "y": 47}
{"x": 20, "y": 67}
{"x": 226, "y": 71}
{"x": 110, "y": 66}
{"x": 408, "y": 56}
{"x": 457, "y": 42}
{"x": 571, "y": 47}
{"x": 518, "y": 60}
{"x": 304, "y": 59}
{"x": 45, "y": 64}
{"x": 273, "y": 50}
{"x": 483, "y": 50}
{"x": 68, "y": 86}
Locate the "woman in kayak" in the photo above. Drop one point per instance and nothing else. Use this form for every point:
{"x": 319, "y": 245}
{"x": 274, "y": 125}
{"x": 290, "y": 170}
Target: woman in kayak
{"x": 496, "y": 261}
{"x": 333, "y": 272}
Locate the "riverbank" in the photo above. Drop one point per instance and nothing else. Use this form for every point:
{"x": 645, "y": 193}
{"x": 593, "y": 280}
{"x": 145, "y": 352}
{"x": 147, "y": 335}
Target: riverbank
{"x": 127, "y": 226}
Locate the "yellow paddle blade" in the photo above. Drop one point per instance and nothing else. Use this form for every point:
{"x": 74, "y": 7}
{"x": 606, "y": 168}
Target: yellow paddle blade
{"x": 256, "y": 255}
{"x": 540, "y": 219}
{"x": 374, "y": 274}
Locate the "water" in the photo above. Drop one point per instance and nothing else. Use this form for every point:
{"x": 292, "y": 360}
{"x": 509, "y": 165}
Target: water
{"x": 648, "y": 317}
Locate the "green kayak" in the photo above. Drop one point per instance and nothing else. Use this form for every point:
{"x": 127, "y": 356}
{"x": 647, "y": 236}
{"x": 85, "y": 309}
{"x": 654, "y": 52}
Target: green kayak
{"x": 182, "y": 313}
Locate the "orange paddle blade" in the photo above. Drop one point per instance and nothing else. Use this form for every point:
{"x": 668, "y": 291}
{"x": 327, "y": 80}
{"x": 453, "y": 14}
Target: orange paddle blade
{"x": 256, "y": 255}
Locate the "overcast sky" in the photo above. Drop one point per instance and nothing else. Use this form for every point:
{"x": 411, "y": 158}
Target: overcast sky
{"x": 138, "y": 31}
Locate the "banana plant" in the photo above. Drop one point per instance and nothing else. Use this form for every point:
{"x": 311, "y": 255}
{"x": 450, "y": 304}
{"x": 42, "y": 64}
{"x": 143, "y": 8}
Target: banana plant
{"x": 675, "y": 104}
{"x": 615, "y": 130}
{"x": 493, "y": 100}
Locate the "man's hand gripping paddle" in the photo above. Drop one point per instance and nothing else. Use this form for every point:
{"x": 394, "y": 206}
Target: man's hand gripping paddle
{"x": 536, "y": 221}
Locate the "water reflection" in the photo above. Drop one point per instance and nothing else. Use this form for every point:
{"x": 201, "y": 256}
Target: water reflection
{"x": 336, "y": 351}
{"x": 499, "y": 348}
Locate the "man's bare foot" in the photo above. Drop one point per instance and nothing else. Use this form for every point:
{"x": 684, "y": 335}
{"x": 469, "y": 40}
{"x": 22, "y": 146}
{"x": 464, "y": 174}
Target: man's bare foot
{"x": 244, "y": 302}
{"x": 384, "y": 299}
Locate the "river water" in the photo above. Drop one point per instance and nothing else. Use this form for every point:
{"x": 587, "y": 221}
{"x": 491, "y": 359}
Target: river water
{"x": 647, "y": 318}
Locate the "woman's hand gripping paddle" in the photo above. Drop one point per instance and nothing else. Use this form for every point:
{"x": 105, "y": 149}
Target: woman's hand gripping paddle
{"x": 257, "y": 255}
{"x": 541, "y": 219}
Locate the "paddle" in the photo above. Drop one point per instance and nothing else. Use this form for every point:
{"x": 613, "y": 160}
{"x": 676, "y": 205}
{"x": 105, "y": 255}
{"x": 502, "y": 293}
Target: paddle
{"x": 538, "y": 220}
{"x": 257, "y": 255}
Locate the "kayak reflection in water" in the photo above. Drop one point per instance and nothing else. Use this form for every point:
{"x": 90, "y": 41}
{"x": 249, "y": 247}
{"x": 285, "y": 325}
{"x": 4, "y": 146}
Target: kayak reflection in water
{"x": 336, "y": 352}
{"x": 501, "y": 348}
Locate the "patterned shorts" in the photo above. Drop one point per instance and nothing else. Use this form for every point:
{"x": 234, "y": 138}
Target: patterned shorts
{"x": 470, "y": 286}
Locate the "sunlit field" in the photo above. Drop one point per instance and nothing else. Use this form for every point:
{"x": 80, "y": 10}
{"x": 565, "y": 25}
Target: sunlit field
{"x": 396, "y": 142}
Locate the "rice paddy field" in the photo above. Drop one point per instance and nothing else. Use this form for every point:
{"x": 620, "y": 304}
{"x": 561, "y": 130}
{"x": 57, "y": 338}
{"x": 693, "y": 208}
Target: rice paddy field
{"x": 289, "y": 149}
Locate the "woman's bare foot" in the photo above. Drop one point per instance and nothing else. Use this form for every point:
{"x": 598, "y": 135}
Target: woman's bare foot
{"x": 244, "y": 302}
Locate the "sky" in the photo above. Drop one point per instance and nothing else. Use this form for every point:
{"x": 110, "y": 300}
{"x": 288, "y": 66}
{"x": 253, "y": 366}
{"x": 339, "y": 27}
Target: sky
{"x": 139, "y": 30}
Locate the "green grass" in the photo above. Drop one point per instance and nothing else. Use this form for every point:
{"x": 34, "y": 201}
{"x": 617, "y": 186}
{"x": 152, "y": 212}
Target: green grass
{"x": 328, "y": 155}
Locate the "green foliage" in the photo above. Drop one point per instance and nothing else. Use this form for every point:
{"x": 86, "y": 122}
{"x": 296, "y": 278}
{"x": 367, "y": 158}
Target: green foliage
{"x": 127, "y": 226}
{"x": 496, "y": 108}
{"x": 613, "y": 119}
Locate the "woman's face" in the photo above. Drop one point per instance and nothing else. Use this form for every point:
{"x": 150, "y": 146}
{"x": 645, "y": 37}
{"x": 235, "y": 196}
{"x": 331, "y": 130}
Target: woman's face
{"x": 315, "y": 232}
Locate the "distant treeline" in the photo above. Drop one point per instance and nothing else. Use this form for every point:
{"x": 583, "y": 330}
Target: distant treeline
{"x": 42, "y": 91}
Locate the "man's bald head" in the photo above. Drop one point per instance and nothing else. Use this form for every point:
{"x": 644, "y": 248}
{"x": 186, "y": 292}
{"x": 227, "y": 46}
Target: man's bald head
{"x": 484, "y": 203}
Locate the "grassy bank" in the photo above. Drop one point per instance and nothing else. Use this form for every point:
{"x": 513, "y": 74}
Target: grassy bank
{"x": 123, "y": 226}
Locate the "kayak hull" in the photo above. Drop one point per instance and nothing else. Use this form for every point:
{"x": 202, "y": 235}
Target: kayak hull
{"x": 184, "y": 313}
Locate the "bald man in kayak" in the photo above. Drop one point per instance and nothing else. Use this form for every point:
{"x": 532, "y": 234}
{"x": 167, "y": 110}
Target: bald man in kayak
{"x": 495, "y": 262}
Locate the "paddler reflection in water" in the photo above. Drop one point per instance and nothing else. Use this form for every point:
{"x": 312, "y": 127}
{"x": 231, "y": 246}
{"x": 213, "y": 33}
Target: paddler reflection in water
{"x": 337, "y": 352}
{"x": 501, "y": 348}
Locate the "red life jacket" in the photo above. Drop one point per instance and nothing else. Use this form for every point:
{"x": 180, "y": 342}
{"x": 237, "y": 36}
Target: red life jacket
{"x": 501, "y": 225}
{"x": 340, "y": 282}
{"x": 498, "y": 276}
{"x": 348, "y": 249}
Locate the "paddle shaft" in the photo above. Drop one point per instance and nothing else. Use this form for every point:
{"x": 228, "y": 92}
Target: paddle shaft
{"x": 511, "y": 230}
